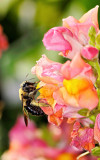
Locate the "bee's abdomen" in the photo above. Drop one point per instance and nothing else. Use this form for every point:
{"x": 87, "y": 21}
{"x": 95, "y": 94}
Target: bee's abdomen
{"x": 34, "y": 110}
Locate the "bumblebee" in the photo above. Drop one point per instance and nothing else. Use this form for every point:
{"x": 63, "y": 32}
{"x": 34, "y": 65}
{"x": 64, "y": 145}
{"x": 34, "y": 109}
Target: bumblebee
{"x": 27, "y": 94}
{"x": 28, "y": 89}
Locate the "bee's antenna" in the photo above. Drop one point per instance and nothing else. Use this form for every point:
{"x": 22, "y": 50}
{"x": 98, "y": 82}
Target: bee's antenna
{"x": 27, "y": 75}
{"x": 31, "y": 79}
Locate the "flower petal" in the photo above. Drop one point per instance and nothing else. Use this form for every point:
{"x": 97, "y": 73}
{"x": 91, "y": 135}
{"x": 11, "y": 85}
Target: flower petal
{"x": 54, "y": 39}
{"x": 48, "y": 71}
{"x": 97, "y": 128}
{"x": 88, "y": 99}
{"x": 82, "y": 138}
{"x": 91, "y": 16}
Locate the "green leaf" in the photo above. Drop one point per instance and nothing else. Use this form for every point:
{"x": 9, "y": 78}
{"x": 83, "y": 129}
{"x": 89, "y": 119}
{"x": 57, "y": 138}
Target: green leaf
{"x": 48, "y": 136}
{"x": 96, "y": 151}
{"x": 83, "y": 112}
{"x": 92, "y": 117}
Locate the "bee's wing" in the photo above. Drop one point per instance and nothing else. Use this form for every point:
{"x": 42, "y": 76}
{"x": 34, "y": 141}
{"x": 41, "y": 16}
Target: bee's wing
{"x": 25, "y": 118}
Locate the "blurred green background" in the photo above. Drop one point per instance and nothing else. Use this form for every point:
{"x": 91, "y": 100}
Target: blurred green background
{"x": 25, "y": 22}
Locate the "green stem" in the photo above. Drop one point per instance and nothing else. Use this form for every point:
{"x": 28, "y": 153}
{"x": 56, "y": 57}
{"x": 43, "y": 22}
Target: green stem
{"x": 83, "y": 154}
{"x": 95, "y": 64}
{"x": 97, "y": 67}
{"x": 98, "y": 92}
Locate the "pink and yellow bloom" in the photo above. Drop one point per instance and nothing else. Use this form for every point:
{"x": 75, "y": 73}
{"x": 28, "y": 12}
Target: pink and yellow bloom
{"x": 65, "y": 85}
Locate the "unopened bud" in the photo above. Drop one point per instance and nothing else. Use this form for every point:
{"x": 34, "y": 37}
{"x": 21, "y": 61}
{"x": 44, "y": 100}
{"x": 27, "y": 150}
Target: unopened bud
{"x": 98, "y": 41}
{"x": 92, "y": 31}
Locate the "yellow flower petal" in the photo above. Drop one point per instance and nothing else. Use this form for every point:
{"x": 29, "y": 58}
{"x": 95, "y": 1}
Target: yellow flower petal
{"x": 74, "y": 86}
{"x": 47, "y": 92}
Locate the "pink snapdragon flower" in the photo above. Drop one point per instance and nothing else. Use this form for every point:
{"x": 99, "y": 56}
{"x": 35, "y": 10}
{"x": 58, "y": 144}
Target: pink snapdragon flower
{"x": 19, "y": 134}
{"x": 26, "y": 143}
{"x": 65, "y": 86}
{"x": 57, "y": 34}
{"x": 48, "y": 69}
{"x": 30, "y": 145}
{"x": 3, "y": 41}
{"x": 72, "y": 38}
{"x": 71, "y": 90}
{"x": 80, "y": 27}
{"x": 82, "y": 138}
{"x": 53, "y": 72}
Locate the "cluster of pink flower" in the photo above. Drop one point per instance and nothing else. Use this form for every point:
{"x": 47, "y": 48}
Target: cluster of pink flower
{"x": 72, "y": 89}
{"x": 3, "y": 41}
{"x": 27, "y": 143}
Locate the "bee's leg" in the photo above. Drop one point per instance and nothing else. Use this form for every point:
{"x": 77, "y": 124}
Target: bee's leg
{"x": 22, "y": 102}
{"x": 35, "y": 92}
{"x": 25, "y": 114}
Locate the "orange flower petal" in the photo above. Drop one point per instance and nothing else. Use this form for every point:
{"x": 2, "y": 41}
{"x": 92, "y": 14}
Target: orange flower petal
{"x": 88, "y": 99}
